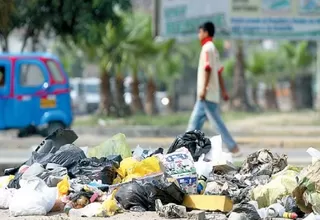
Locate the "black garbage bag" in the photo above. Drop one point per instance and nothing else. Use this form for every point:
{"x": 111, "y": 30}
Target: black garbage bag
{"x": 290, "y": 205}
{"x": 157, "y": 151}
{"x": 14, "y": 183}
{"x": 246, "y": 208}
{"x": 166, "y": 192}
{"x": 135, "y": 196}
{"x": 67, "y": 156}
{"x": 141, "y": 154}
{"x": 76, "y": 195}
{"x": 194, "y": 141}
{"x": 96, "y": 169}
{"x": 48, "y": 146}
{"x": 115, "y": 158}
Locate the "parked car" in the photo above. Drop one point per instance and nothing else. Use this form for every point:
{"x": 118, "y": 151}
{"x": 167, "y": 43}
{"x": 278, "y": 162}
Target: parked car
{"x": 85, "y": 94}
{"x": 34, "y": 92}
{"x": 161, "y": 97}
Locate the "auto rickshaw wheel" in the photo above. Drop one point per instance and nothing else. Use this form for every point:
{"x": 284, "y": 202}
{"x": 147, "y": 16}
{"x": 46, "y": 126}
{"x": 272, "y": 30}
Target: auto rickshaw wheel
{"x": 52, "y": 127}
{"x": 26, "y": 132}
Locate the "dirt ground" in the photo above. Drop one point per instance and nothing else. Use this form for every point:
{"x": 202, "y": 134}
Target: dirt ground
{"x": 125, "y": 216}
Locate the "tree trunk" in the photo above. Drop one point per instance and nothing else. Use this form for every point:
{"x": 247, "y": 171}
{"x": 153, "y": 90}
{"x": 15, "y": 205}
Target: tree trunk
{"x": 24, "y": 44}
{"x": 255, "y": 98}
{"x": 293, "y": 94}
{"x": 35, "y": 41}
{"x": 5, "y": 44}
{"x": 255, "y": 95}
{"x": 173, "y": 96}
{"x": 123, "y": 108}
{"x": 150, "y": 105}
{"x": 136, "y": 106}
{"x": 240, "y": 99}
{"x": 106, "y": 107}
{"x": 271, "y": 98}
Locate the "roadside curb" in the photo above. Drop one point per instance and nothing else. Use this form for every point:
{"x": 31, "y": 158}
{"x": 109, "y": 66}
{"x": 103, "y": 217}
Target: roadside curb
{"x": 152, "y": 131}
{"x": 161, "y": 136}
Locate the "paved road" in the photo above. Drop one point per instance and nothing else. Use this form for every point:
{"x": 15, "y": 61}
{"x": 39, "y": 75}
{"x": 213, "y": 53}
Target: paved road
{"x": 13, "y": 150}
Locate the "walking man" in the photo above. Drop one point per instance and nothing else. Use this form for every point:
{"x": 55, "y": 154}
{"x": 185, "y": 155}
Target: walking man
{"x": 209, "y": 83}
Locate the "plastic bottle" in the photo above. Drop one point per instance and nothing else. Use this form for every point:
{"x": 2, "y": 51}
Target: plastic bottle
{"x": 263, "y": 212}
{"x": 290, "y": 215}
{"x": 202, "y": 184}
{"x": 276, "y": 210}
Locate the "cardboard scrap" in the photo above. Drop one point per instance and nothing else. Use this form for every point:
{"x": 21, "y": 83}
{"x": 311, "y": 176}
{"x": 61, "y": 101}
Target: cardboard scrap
{"x": 208, "y": 202}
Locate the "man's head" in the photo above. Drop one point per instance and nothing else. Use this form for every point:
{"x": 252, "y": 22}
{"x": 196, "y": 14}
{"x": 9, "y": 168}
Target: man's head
{"x": 207, "y": 29}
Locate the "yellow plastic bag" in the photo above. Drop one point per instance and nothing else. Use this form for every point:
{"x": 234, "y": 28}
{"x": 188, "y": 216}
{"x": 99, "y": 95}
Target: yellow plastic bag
{"x": 131, "y": 168}
{"x": 126, "y": 167}
{"x": 117, "y": 180}
{"x": 5, "y": 180}
{"x": 109, "y": 207}
{"x": 63, "y": 186}
{"x": 117, "y": 145}
{"x": 148, "y": 166}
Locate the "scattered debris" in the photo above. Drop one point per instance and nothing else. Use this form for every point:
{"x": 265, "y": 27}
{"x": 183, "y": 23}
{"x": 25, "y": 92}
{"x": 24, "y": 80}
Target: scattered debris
{"x": 193, "y": 175}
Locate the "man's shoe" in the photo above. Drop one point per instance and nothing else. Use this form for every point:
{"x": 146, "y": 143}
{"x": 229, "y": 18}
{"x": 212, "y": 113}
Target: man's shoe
{"x": 236, "y": 152}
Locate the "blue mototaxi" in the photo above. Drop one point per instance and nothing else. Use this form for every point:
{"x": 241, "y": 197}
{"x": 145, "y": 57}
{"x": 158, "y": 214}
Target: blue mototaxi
{"x": 34, "y": 92}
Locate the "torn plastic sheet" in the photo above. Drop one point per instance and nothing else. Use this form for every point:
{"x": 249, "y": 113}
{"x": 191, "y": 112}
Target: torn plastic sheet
{"x": 229, "y": 186}
{"x": 263, "y": 162}
{"x": 246, "y": 208}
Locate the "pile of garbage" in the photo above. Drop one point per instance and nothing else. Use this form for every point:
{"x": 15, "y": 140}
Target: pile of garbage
{"x": 194, "y": 174}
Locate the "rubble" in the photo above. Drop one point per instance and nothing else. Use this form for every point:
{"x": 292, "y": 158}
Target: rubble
{"x": 187, "y": 182}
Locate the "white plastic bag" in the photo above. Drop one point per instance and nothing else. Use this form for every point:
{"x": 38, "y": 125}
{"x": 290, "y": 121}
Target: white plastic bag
{"x": 314, "y": 153}
{"x": 33, "y": 198}
{"x": 312, "y": 216}
{"x": 6, "y": 196}
{"x": 203, "y": 168}
{"x": 4, "y": 181}
{"x": 216, "y": 155}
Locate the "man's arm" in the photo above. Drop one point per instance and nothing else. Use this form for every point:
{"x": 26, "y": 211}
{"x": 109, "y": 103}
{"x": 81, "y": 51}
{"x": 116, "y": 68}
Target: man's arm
{"x": 221, "y": 83}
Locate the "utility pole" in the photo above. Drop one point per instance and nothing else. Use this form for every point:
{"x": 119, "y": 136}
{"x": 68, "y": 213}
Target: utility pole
{"x": 156, "y": 17}
{"x": 317, "y": 104}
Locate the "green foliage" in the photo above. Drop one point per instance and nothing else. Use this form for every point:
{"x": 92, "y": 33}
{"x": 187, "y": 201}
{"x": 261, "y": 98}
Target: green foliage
{"x": 229, "y": 65}
{"x": 82, "y": 19}
{"x": 257, "y": 63}
{"x": 297, "y": 57}
{"x": 71, "y": 57}
{"x": 219, "y": 44}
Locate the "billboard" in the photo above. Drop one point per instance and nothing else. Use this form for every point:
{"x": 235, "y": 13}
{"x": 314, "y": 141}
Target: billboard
{"x": 245, "y": 19}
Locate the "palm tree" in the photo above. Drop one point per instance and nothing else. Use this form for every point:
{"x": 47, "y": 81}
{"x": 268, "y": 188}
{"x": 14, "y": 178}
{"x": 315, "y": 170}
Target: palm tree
{"x": 138, "y": 45}
{"x": 256, "y": 67}
{"x": 103, "y": 56}
{"x": 115, "y": 36}
{"x": 159, "y": 66}
{"x": 239, "y": 98}
{"x": 298, "y": 60}
{"x": 6, "y": 20}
